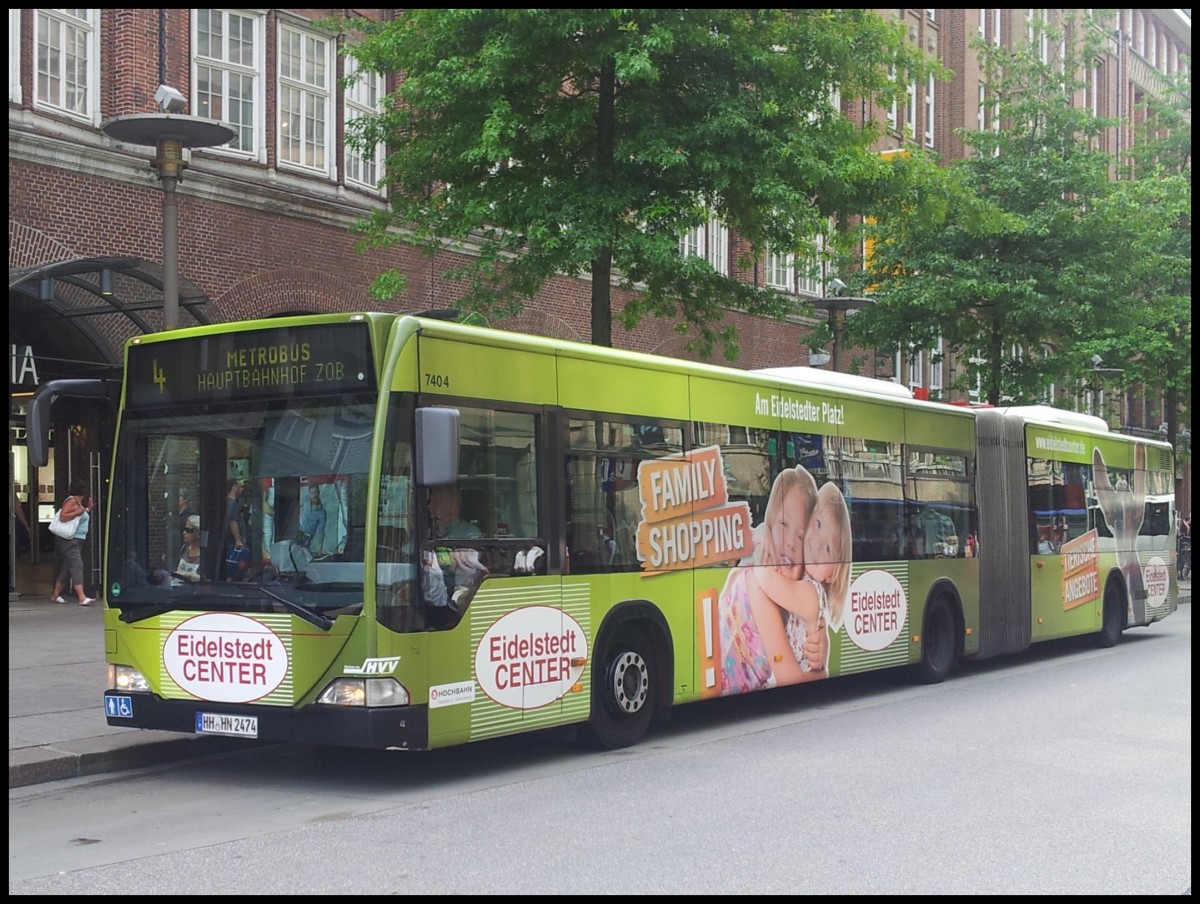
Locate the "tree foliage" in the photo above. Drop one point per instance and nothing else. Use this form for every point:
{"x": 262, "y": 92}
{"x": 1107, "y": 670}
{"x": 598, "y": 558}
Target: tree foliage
{"x": 1035, "y": 266}
{"x": 1159, "y": 349}
{"x": 586, "y": 142}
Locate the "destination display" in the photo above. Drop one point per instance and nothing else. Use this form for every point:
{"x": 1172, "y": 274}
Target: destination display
{"x": 298, "y": 361}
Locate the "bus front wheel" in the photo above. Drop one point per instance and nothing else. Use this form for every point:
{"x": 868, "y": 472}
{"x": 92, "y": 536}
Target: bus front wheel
{"x": 939, "y": 642}
{"x": 623, "y": 700}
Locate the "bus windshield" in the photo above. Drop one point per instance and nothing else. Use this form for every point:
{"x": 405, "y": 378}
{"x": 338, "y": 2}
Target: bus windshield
{"x": 242, "y": 507}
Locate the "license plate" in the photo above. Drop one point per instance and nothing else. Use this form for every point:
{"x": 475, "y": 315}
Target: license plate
{"x": 227, "y": 725}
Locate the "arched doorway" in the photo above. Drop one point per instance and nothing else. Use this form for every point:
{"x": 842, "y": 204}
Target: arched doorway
{"x": 70, "y": 319}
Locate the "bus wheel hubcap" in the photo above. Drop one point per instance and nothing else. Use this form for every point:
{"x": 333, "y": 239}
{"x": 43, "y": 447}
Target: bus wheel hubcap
{"x": 629, "y": 680}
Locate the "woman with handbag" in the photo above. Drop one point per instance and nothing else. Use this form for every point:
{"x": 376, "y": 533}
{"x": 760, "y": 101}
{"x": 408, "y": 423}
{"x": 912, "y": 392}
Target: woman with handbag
{"x": 76, "y": 511}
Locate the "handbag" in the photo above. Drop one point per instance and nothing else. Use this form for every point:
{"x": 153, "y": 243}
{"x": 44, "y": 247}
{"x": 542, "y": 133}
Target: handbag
{"x": 236, "y": 561}
{"x": 64, "y": 529}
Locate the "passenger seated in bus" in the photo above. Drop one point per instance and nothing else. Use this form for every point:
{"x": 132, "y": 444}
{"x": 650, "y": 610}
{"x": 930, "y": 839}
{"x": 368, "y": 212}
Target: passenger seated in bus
{"x": 817, "y": 598}
{"x": 747, "y": 615}
{"x": 187, "y": 569}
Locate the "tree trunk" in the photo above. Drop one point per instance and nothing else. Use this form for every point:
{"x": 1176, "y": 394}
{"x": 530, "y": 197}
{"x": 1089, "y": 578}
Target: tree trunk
{"x": 602, "y": 264}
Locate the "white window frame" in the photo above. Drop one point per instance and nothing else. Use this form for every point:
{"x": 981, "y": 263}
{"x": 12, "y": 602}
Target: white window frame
{"x": 981, "y": 111}
{"x": 709, "y": 241}
{"x": 310, "y": 82}
{"x": 893, "y": 111}
{"x": 1093, "y": 87}
{"x": 52, "y": 89}
{"x": 364, "y": 97}
{"x": 929, "y": 111}
{"x": 14, "y": 56}
{"x": 1042, "y": 40}
{"x": 780, "y": 270}
{"x": 812, "y": 275}
{"x": 916, "y": 368}
{"x": 975, "y": 388}
{"x": 910, "y": 113}
{"x": 937, "y": 368}
{"x": 243, "y": 109}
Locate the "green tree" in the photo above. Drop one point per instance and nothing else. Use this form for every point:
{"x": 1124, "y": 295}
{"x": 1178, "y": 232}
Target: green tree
{"x": 587, "y": 142}
{"x": 1159, "y": 349}
{"x": 1029, "y": 272}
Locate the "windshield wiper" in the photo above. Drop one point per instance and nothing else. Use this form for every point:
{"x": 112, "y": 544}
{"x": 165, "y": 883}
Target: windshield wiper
{"x": 312, "y": 617}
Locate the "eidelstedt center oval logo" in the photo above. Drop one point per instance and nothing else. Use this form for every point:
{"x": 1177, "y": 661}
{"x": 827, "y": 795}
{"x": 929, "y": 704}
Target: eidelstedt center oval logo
{"x": 224, "y": 657}
{"x": 525, "y": 659}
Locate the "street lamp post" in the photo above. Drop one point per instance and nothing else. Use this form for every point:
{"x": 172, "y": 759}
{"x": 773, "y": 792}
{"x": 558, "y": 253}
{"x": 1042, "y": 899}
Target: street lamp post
{"x": 169, "y": 134}
{"x": 837, "y": 306}
{"x": 1098, "y": 374}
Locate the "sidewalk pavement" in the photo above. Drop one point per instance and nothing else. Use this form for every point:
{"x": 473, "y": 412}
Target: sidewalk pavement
{"x": 56, "y": 677}
{"x": 56, "y": 725}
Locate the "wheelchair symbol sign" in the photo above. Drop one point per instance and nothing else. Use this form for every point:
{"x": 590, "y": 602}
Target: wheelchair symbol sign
{"x": 118, "y": 707}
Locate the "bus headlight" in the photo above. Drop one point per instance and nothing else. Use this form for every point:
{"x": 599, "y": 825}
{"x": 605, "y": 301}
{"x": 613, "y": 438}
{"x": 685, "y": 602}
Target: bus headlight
{"x": 126, "y": 678}
{"x": 364, "y": 692}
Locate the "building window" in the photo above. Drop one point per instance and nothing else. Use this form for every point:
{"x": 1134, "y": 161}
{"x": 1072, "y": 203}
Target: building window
{"x": 937, "y": 361}
{"x": 67, "y": 61}
{"x": 989, "y": 25}
{"x": 780, "y": 270}
{"x": 916, "y": 368}
{"x": 975, "y": 379}
{"x": 1036, "y": 29}
{"x": 812, "y": 270}
{"x": 910, "y": 111}
{"x": 892, "y": 112}
{"x": 711, "y": 242}
{"x": 1092, "y": 87}
{"x": 305, "y": 96}
{"x": 363, "y": 98}
{"x": 14, "y": 56}
{"x": 226, "y": 65}
{"x": 929, "y": 121}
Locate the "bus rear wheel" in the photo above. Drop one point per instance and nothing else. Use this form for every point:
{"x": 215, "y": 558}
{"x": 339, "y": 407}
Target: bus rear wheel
{"x": 623, "y": 700}
{"x": 1114, "y": 615}
{"x": 939, "y": 642}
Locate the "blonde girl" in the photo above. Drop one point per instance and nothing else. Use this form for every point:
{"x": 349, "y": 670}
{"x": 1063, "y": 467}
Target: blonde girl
{"x": 776, "y": 567}
{"x": 814, "y": 602}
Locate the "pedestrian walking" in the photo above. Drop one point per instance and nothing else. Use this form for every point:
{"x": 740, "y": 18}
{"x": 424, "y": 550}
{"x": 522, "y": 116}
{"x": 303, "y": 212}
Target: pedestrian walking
{"x": 68, "y": 558}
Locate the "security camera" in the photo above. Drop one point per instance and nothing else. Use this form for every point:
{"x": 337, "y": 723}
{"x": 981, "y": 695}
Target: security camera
{"x": 170, "y": 100}
{"x": 836, "y": 286}
{"x": 1097, "y": 360}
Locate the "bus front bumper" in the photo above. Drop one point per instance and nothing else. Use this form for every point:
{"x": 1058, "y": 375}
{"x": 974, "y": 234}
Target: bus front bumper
{"x": 380, "y": 728}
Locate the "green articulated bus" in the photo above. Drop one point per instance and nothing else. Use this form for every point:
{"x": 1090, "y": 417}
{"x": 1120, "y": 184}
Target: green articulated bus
{"x": 407, "y": 533}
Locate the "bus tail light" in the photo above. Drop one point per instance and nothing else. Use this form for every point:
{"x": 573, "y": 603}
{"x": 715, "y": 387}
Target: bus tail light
{"x": 126, "y": 678}
{"x": 365, "y": 692}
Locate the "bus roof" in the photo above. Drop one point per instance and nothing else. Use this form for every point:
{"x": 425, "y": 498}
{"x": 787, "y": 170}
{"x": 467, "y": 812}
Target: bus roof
{"x": 1044, "y": 414}
{"x": 834, "y": 380}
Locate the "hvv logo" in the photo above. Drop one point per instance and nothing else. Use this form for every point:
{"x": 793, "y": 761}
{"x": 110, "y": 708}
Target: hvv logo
{"x": 383, "y": 665}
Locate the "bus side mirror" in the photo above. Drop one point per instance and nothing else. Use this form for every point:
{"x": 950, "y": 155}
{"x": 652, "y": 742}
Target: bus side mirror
{"x": 37, "y": 415}
{"x": 437, "y": 446}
